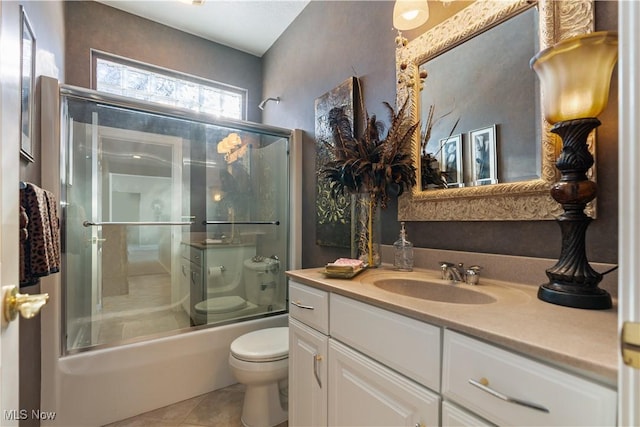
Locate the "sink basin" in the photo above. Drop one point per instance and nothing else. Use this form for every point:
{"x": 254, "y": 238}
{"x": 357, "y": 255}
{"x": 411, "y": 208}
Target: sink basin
{"x": 433, "y": 291}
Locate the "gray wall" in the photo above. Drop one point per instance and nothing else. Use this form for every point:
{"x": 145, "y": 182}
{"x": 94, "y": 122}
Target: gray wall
{"x": 331, "y": 41}
{"x": 92, "y": 25}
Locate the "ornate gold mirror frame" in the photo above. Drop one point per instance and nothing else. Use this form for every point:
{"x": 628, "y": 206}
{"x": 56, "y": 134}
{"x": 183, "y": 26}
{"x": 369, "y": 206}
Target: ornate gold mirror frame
{"x": 527, "y": 200}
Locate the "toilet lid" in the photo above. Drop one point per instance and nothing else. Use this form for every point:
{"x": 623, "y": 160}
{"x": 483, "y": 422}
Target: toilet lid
{"x": 221, "y": 305}
{"x": 264, "y": 345}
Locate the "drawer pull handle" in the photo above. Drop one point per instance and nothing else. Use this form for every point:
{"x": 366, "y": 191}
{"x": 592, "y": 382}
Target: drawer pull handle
{"x": 483, "y": 385}
{"x": 299, "y": 305}
{"x": 316, "y": 365}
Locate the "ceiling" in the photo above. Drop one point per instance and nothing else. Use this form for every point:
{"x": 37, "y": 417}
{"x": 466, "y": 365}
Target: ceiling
{"x": 251, "y": 26}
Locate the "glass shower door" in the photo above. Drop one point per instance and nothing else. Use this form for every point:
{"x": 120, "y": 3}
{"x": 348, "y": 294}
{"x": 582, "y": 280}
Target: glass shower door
{"x": 170, "y": 221}
{"x": 125, "y": 204}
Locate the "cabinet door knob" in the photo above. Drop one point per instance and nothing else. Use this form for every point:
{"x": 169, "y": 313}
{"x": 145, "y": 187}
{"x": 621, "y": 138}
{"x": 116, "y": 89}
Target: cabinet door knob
{"x": 483, "y": 385}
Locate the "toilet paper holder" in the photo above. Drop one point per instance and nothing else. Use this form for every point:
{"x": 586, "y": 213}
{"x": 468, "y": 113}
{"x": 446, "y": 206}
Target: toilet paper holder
{"x": 217, "y": 270}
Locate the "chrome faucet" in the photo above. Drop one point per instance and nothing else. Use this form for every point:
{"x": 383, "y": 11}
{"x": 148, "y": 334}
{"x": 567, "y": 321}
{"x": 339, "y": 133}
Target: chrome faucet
{"x": 451, "y": 271}
{"x": 457, "y": 273}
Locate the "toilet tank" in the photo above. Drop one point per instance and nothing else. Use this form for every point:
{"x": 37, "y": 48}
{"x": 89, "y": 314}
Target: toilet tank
{"x": 225, "y": 269}
{"x": 261, "y": 276}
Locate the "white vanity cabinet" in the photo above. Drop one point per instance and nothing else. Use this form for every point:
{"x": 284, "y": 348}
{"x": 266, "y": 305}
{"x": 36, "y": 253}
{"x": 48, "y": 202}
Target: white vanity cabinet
{"x": 191, "y": 278}
{"x": 308, "y": 348}
{"x": 510, "y": 389}
{"x": 406, "y": 345}
{"x": 454, "y": 416}
{"x": 308, "y": 351}
{"x": 356, "y": 364}
{"x": 363, "y": 392}
{"x": 379, "y": 365}
{"x": 351, "y": 383}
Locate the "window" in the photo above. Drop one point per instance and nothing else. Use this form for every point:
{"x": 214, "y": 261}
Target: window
{"x": 125, "y": 77}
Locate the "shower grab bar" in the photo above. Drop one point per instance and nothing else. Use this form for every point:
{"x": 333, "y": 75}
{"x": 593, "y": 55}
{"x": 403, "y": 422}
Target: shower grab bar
{"x": 97, "y": 224}
{"x": 241, "y": 222}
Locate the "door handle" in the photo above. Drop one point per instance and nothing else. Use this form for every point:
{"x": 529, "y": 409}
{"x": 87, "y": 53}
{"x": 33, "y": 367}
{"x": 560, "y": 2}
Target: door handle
{"x": 27, "y": 305}
{"x": 300, "y": 305}
{"x": 316, "y": 367}
{"x": 630, "y": 344}
{"x": 483, "y": 385}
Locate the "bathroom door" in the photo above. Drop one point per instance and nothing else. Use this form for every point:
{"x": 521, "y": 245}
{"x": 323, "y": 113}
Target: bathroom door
{"x": 9, "y": 158}
{"x": 9, "y": 345}
{"x": 628, "y": 201}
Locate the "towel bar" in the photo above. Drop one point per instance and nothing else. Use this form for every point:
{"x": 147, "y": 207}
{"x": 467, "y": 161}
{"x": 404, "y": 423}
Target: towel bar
{"x": 97, "y": 224}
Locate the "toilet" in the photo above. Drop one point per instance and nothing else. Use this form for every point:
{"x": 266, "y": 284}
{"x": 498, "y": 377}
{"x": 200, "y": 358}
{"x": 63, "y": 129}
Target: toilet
{"x": 258, "y": 277}
{"x": 260, "y": 361}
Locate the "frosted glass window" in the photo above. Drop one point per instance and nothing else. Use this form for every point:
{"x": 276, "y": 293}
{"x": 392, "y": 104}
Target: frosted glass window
{"x": 169, "y": 88}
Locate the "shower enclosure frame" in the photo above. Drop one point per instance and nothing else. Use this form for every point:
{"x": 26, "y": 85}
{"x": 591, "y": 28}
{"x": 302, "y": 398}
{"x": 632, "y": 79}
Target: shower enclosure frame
{"x": 74, "y": 385}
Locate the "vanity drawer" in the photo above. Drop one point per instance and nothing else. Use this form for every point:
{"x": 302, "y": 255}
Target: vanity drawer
{"x": 310, "y": 306}
{"x": 569, "y": 399}
{"x": 406, "y": 345}
{"x": 192, "y": 254}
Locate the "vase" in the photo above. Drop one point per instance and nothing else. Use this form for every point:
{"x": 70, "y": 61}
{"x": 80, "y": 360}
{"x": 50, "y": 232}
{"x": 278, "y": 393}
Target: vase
{"x": 365, "y": 229}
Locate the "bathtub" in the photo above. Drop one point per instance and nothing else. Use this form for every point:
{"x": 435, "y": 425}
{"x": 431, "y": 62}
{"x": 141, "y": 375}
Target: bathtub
{"x": 103, "y": 386}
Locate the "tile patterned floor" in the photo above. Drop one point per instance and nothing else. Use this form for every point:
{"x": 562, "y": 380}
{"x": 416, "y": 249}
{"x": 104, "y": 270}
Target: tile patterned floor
{"x": 220, "y": 408}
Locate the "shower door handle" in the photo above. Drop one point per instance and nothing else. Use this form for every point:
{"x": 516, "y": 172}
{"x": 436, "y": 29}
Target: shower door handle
{"x": 139, "y": 223}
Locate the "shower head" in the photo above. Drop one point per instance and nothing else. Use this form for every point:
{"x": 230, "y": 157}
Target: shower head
{"x": 262, "y": 104}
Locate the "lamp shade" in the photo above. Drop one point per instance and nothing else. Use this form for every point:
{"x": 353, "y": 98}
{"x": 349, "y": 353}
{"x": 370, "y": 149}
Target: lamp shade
{"x": 575, "y": 75}
{"x": 410, "y": 14}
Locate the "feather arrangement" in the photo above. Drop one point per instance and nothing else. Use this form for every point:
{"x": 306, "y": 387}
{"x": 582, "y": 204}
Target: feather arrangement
{"x": 371, "y": 163}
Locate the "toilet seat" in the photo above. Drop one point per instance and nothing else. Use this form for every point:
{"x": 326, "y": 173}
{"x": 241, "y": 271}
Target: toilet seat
{"x": 219, "y": 305}
{"x": 264, "y": 345}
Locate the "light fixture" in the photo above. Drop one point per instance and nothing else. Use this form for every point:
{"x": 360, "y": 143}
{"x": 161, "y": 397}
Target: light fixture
{"x": 575, "y": 76}
{"x": 410, "y": 14}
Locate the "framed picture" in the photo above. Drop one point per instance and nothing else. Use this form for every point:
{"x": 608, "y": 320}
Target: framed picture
{"x": 483, "y": 156}
{"x": 333, "y": 215}
{"x": 451, "y": 160}
{"x": 27, "y": 85}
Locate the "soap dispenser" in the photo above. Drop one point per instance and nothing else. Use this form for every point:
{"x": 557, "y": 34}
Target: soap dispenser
{"x": 403, "y": 251}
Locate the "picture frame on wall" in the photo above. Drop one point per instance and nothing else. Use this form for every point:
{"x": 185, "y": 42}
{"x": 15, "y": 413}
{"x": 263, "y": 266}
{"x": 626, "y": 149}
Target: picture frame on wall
{"x": 484, "y": 169}
{"x": 27, "y": 85}
{"x": 333, "y": 215}
{"x": 451, "y": 160}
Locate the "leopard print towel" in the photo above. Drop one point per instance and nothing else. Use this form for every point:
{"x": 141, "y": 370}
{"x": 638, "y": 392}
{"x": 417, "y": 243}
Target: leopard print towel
{"x": 40, "y": 251}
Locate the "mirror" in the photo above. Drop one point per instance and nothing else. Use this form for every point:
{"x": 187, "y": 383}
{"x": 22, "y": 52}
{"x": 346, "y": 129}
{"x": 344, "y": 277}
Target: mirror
{"x": 497, "y": 58}
{"x": 512, "y": 188}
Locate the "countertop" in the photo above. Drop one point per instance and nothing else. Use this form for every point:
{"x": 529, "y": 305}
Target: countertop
{"x": 582, "y": 341}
